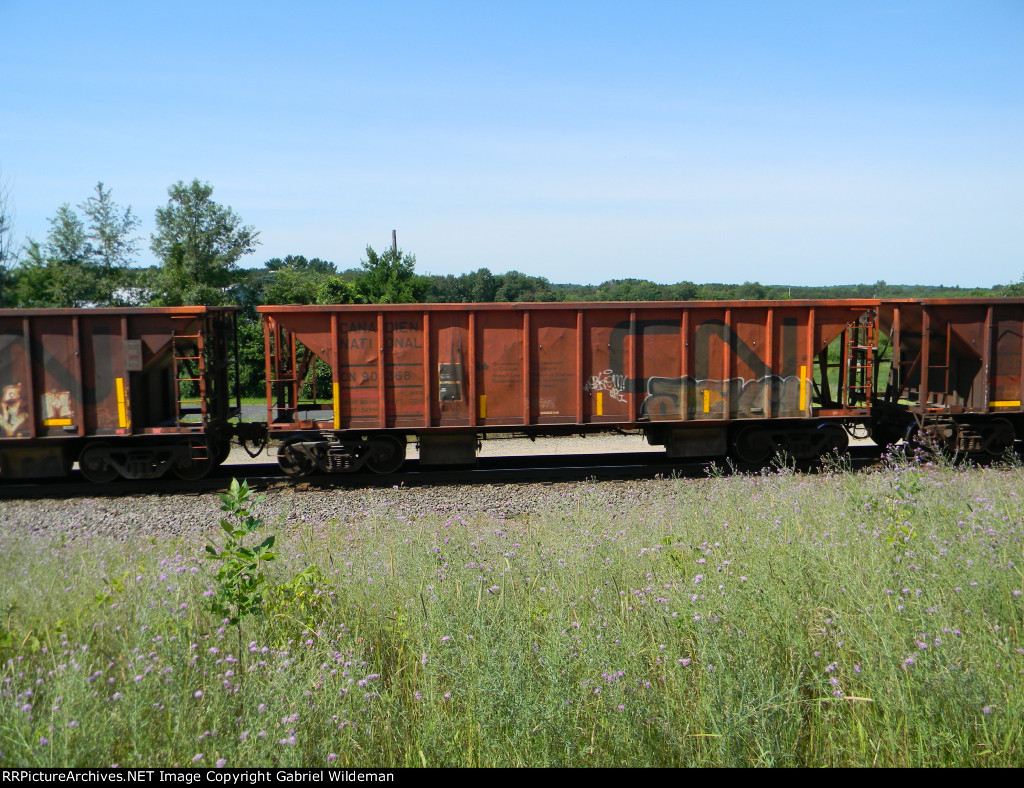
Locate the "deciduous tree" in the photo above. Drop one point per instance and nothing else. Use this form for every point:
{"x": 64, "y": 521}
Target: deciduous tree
{"x": 111, "y": 243}
{"x": 390, "y": 278}
{"x": 199, "y": 244}
{"x": 79, "y": 264}
{"x": 57, "y": 272}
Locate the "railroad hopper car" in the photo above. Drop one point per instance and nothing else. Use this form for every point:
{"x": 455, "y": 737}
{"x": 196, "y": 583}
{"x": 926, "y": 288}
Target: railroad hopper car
{"x": 955, "y": 372}
{"x": 139, "y": 393}
{"x": 348, "y": 386}
{"x": 135, "y": 393}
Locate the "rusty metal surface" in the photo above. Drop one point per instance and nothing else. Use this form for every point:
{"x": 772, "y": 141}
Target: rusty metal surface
{"x": 76, "y": 373}
{"x": 590, "y": 306}
{"x": 449, "y": 366}
{"x": 140, "y": 310}
{"x": 956, "y": 355}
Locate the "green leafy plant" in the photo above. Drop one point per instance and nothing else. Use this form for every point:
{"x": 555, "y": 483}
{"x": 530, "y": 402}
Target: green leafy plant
{"x": 304, "y": 600}
{"x": 903, "y": 505}
{"x": 240, "y": 578}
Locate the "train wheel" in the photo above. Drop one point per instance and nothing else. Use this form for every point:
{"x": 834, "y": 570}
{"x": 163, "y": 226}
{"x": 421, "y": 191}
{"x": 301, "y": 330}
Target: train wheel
{"x": 885, "y": 435}
{"x": 754, "y": 445}
{"x": 201, "y": 462}
{"x": 387, "y": 453}
{"x": 94, "y": 466}
{"x": 222, "y": 449}
{"x": 292, "y": 461}
{"x": 832, "y": 439}
{"x": 1000, "y": 437}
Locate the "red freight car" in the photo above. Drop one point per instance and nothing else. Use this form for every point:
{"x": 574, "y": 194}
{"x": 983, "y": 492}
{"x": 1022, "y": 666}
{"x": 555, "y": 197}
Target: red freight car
{"x": 955, "y": 374}
{"x": 347, "y": 385}
{"x": 140, "y": 392}
{"x": 125, "y": 392}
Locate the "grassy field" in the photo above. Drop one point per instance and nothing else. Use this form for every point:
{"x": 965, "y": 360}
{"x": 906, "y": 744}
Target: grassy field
{"x": 844, "y": 619}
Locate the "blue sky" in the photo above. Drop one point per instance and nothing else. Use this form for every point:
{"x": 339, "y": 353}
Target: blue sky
{"x": 784, "y": 142}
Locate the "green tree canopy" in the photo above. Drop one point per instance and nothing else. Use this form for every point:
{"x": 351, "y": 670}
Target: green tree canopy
{"x": 1014, "y": 289}
{"x": 338, "y": 290}
{"x": 390, "y": 278}
{"x": 475, "y": 287}
{"x": 111, "y": 242}
{"x": 57, "y": 272}
{"x": 297, "y": 280}
{"x": 517, "y": 286}
{"x": 80, "y": 263}
{"x": 199, "y": 244}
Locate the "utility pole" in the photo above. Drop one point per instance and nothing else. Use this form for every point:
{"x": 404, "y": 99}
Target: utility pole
{"x": 394, "y": 241}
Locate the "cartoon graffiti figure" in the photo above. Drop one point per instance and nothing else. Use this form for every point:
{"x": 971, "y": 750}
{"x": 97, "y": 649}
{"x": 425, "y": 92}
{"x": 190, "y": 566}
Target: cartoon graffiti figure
{"x": 57, "y": 405}
{"x": 11, "y": 415}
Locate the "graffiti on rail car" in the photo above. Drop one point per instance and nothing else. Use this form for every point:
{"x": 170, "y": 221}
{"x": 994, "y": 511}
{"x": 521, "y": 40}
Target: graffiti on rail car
{"x": 690, "y": 398}
{"x": 56, "y": 405}
{"x": 11, "y": 414}
{"x": 609, "y": 382}
{"x": 771, "y": 393}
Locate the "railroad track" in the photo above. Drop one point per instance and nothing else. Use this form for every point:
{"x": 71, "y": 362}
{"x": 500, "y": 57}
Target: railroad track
{"x": 491, "y": 470}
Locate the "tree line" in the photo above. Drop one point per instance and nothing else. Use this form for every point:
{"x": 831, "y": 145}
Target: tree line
{"x": 89, "y": 258}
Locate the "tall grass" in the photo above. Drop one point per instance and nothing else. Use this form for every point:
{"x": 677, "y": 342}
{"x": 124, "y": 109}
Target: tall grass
{"x": 844, "y": 619}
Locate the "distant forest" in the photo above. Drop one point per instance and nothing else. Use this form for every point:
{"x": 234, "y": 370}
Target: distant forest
{"x": 482, "y": 285}
{"x": 89, "y": 258}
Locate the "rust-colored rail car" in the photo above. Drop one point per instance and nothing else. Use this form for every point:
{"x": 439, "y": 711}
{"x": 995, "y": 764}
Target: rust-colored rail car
{"x": 955, "y": 373}
{"x": 141, "y": 392}
{"x": 346, "y": 385}
{"x": 124, "y": 392}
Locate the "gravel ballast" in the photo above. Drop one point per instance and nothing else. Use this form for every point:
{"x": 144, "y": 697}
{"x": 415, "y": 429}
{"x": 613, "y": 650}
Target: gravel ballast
{"x": 194, "y": 517}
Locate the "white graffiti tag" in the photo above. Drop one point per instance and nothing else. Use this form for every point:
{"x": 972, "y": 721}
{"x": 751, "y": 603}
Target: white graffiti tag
{"x": 57, "y": 404}
{"x": 609, "y": 382}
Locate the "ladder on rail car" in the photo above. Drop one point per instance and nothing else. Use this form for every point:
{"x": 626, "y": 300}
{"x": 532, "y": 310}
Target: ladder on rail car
{"x": 188, "y": 359}
{"x": 859, "y": 358}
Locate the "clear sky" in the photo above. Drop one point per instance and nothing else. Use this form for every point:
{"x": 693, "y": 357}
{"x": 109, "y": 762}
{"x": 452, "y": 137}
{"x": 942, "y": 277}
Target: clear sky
{"x": 800, "y": 143}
